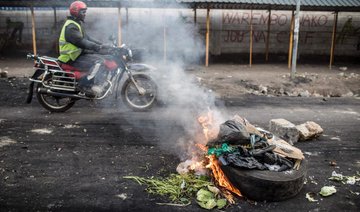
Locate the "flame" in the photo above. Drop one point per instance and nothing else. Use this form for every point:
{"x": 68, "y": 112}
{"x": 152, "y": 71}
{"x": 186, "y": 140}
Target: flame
{"x": 220, "y": 177}
{"x": 207, "y": 122}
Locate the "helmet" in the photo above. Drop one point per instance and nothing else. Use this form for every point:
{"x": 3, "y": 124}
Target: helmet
{"x": 75, "y": 8}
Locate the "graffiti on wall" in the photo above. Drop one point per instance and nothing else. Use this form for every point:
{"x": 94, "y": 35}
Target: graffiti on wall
{"x": 279, "y": 24}
{"x": 348, "y": 30}
{"x": 12, "y": 35}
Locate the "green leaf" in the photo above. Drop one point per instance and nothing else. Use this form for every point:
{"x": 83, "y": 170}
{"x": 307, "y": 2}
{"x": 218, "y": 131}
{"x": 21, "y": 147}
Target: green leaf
{"x": 327, "y": 191}
{"x": 211, "y": 204}
{"x": 204, "y": 195}
{"x": 221, "y": 203}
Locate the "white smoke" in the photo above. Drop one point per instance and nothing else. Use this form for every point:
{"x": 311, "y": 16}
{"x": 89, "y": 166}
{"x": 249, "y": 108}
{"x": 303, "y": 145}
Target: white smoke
{"x": 169, "y": 40}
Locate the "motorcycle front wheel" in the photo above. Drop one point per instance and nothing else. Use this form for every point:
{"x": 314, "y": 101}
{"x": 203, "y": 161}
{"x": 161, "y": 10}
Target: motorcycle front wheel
{"x": 54, "y": 103}
{"x": 132, "y": 97}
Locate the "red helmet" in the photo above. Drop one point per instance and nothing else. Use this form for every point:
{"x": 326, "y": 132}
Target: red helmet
{"x": 75, "y": 8}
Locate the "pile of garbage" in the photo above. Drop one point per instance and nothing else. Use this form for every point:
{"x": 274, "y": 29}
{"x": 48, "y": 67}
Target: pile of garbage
{"x": 241, "y": 145}
{"x": 234, "y": 145}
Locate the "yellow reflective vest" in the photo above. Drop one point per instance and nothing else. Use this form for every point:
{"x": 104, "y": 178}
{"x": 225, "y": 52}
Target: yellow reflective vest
{"x": 68, "y": 51}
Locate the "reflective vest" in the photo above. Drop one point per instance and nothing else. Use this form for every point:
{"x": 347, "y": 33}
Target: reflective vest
{"x": 67, "y": 50}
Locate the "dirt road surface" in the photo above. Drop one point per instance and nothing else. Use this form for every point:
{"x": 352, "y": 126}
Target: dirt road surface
{"x": 76, "y": 161}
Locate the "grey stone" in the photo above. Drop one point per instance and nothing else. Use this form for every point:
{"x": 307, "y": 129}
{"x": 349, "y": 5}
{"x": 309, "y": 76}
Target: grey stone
{"x": 285, "y": 130}
{"x": 304, "y": 93}
{"x": 3, "y": 74}
{"x": 309, "y": 130}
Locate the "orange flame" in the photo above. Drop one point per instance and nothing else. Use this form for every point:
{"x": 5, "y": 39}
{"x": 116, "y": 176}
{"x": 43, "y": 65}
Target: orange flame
{"x": 219, "y": 177}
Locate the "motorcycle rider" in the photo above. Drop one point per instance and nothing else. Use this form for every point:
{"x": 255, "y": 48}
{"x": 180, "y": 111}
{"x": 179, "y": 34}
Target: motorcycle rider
{"x": 80, "y": 50}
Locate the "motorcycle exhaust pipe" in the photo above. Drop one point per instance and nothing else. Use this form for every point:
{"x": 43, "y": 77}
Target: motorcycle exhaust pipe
{"x": 58, "y": 94}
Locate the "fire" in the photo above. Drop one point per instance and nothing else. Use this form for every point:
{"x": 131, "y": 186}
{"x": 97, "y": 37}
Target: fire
{"x": 210, "y": 132}
{"x": 221, "y": 179}
{"x": 207, "y": 122}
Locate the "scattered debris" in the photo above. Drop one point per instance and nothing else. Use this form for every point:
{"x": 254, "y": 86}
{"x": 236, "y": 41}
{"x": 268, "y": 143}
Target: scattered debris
{"x": 356, "y": 193}
{"x": 5, "y": 141}
{"x": 351, "y": 180}
{"x": 122, "y": 196}
{"x": 312, "y": 180}
{"x": 312, "y": 153}
{"x": 42, "y": 131}
{"x": 311, "y": 197}
{"x": 327, "y": 191}
{"x": 69, "y": 126}
{"x": 332, "y": 163}
{"x": 335, "y": 138}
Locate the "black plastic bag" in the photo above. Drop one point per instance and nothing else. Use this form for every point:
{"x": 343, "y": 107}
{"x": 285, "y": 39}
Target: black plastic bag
{"x": 233, "y": 132}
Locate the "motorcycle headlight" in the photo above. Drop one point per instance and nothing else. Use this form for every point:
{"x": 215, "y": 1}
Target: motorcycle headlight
{"x": 130, "y": 53}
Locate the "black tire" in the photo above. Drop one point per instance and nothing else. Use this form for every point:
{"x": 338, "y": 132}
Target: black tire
{"x": 54, "y": 104}
{"x": 131, "y": 97}
{"x": 262, "y": 185}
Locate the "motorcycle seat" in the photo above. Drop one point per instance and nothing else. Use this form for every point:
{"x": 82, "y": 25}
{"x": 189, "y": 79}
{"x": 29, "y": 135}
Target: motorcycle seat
{"x": 68, "y": 68}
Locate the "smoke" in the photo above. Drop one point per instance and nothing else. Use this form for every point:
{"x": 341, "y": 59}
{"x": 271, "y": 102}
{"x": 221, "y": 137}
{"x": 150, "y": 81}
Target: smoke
{"x": 169, "y": 40}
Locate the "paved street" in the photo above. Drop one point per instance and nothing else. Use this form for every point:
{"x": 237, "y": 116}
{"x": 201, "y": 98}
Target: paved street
{"x": 75, "y": 161}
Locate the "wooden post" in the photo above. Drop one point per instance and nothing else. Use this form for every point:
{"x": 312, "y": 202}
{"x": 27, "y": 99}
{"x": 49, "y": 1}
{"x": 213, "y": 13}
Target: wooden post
{"x": 127, "y": 16}
{"x": 333, "y": 38}
{"x": 165, "y": 44}
{"x": 195, "y": 16}
{"x": 251, "y": 39}
{"x": 55, "y": 18}
{"x": 296, "y": 40}
{"x": 119, "y": 27}
{"x": 268, "y": 37}
{"x": 291, "y": 39}
{"x": 207, "y": 37}
{"x": 33, "y": 30}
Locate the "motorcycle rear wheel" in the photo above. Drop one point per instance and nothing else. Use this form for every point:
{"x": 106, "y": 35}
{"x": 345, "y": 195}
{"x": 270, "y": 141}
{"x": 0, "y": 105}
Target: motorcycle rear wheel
{"x": 53, "y": 103}
{"x": 131, "y": 96}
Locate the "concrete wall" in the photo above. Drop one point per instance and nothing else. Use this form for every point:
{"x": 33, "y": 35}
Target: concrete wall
{"x": 229, "y": 30}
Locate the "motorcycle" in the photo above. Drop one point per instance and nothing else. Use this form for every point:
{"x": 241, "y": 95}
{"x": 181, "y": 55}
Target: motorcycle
{"x": 57, "y": 88}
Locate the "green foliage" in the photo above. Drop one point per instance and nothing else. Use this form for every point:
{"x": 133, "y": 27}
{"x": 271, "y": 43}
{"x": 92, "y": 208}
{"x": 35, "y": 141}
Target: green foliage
{"x": 178, "y": 188}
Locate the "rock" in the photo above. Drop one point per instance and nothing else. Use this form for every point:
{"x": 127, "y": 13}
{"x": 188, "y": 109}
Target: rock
{"x": 281, "y": 91}
{"x": 309, "y": 130}
{"x": 263, "y": 89}
{"x": 3, "y": 74}
{"x": 344, "y": 68}
{"x": 304, "y": 93}
{"x": 285, "y": 130}
{"x": 342, "y": 74}
{"x": 349, "y": 94}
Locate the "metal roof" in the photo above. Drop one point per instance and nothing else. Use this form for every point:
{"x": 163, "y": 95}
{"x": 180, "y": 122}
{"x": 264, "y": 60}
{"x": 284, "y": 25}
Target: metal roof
{"x": 309, "y": 5}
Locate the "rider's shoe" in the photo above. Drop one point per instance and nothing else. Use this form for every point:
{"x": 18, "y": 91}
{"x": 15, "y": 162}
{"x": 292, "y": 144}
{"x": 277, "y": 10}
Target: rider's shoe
{"x": 87, "y": 91}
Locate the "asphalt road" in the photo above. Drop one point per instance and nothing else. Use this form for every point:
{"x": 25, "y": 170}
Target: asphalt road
{"x": 79, "y": 160}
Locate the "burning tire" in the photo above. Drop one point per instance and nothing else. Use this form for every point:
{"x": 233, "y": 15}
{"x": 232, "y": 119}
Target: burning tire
{"x": 267, "y": 185}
